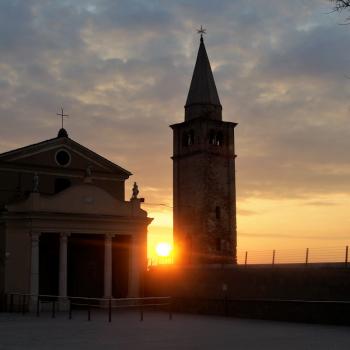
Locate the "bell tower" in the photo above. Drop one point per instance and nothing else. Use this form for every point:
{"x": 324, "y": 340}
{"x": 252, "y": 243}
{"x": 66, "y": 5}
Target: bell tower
{"x": 204, "y": 174}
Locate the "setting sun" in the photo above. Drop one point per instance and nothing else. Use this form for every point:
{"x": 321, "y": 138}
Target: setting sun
{"x": 163, "y": 249}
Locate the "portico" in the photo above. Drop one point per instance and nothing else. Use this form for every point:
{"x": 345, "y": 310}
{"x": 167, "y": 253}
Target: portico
{"x": 79, "y": 242}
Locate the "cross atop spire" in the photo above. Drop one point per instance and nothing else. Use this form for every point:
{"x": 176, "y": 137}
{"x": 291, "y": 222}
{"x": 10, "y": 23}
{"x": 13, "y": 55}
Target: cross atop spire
{"x": 201, "y": 31}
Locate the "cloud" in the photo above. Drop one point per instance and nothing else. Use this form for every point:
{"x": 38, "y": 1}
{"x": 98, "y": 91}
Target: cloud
{"x": 122, "y": 70}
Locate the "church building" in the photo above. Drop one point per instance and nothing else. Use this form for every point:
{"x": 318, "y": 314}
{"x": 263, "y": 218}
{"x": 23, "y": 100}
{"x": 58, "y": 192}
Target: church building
{"x": 65, "y": 226}
{"x": 204, "y": 174}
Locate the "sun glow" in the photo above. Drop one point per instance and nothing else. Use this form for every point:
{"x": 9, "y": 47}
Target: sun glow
{"x": 163, "y": 249}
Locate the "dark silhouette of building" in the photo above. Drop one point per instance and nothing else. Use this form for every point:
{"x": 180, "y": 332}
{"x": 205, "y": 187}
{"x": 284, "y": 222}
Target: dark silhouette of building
{"x": 65, "y": 226}
{"x": 204, "y": 174}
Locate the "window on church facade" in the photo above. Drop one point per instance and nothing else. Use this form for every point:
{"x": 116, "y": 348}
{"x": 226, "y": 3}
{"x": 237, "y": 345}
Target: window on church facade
{"x": 62, "y": 158}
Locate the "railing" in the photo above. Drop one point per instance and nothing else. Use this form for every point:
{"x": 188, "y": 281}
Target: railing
{"x": 295, "y": 256}
{"x": 160, "y": 260}
{"x": 24, "y": 303}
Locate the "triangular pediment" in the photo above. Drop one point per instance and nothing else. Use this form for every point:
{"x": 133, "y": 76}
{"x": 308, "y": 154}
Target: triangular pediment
{"x": 45, "y": 154}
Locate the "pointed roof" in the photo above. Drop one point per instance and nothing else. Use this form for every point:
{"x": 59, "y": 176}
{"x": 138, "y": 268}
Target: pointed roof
{"x": 203, "y": 89}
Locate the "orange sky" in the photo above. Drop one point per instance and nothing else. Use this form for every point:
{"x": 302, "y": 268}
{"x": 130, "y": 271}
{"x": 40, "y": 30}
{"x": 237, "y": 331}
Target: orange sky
{"x": 283, "y": 225}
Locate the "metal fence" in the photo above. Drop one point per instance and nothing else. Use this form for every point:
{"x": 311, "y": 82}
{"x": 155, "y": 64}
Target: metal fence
{"x": 279, "y": 256}
{"x": 32, "y": 303}
{"x": 294, "y": 256}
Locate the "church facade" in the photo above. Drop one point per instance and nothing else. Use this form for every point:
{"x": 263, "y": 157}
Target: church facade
{"x": 204, "y": 174}
{"x": 65, "y": 227}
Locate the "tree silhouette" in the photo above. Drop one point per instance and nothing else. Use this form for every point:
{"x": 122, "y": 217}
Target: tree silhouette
{"x": 340, "y": 5}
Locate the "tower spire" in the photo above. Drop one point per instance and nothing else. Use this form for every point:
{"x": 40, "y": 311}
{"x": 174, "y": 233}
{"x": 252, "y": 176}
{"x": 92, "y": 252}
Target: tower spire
{"x": 203, "y": 99}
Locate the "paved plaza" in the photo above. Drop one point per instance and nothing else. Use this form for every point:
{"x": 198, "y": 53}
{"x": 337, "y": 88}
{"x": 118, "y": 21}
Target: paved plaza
{"x": 157, "y": 332}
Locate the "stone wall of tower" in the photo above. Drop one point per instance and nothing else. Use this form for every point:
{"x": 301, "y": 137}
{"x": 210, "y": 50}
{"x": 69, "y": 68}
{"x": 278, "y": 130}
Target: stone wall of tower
{"x": 204, "y": 191}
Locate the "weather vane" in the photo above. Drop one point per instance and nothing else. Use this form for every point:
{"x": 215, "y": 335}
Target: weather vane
{"x": 62, "y": 115}
{"x": 201, "y": 31}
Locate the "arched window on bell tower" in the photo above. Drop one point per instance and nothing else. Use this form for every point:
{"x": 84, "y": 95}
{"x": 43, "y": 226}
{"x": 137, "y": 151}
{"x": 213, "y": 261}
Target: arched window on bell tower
{"x": 188, "y": 138}
{"x": 219, "y": 139}
{"x": 212, "y": 137}
{"x": 216, "y": 138}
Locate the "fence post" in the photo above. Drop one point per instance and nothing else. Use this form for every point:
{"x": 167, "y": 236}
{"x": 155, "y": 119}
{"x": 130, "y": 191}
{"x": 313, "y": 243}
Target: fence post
{"x": 53, "y": 315}
{"x": 23, "y": 304}
{"x": 307, "y": 256}
{"x": 5, "y": 302}
{"x": 226, "y": 305}
{"x": 346, "y": 255}
{"x": 37, "y": 306}
{"x": 170, "y": 310}
{"x": 273, "y": 257}
{"x": 11, "y": 303}
{"x": 70, "y": 310}
{"x": 89, "y": 311}
{"x": 246, "y": 258}
{"x": 110, "y": 310}
{"x": 141, "y": 311}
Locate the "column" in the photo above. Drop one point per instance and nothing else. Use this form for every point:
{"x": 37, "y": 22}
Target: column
{"x": 63, "y": 302}
{"x": 34, "y": 268}
{"x": 108, "y": 266}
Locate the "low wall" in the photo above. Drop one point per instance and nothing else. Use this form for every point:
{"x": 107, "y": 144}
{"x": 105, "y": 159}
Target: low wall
{"x": 293, "y": 293}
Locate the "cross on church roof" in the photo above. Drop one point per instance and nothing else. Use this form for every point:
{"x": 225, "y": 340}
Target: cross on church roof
{"x": 62, "y": 115}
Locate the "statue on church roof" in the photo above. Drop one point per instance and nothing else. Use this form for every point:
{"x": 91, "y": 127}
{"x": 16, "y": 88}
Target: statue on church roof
{"x": 135, "y": 191}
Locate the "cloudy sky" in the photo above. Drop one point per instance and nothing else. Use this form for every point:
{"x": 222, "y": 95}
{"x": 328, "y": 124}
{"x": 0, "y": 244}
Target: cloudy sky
{"x": 122, "y": 69}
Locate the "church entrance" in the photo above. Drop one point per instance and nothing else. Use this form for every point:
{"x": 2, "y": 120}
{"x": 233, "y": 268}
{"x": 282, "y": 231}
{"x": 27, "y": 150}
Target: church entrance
{"x": 48, "y": 263}
{"x": 120, "y": 270}
{"x": 86, "y": 265}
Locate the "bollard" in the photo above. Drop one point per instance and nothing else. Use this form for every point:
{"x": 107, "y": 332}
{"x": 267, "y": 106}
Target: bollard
{"x": 273, "y": 257}
{"x": 307, "y": 256}
{"x": 246, "y": 259}
{"x": 346, "y": 255}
